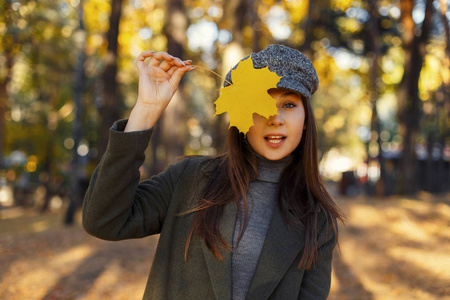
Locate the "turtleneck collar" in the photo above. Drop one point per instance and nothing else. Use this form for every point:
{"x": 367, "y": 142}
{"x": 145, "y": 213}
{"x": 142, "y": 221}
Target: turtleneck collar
{"x": 270, "y": 170}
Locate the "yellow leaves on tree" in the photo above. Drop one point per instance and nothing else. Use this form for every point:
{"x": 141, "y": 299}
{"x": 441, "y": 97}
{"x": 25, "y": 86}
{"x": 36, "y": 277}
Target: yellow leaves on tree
{"x": 248, "y": 95}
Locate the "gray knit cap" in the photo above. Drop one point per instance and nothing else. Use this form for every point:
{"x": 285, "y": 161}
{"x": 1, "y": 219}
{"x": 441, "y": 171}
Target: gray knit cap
{"x": 295, "y": 69}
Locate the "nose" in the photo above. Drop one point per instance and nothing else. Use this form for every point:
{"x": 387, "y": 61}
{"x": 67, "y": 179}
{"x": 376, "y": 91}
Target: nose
{"x": 276, "y": 120}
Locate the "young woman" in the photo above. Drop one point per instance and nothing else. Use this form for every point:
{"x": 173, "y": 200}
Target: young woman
{"x": 254, "y": 223}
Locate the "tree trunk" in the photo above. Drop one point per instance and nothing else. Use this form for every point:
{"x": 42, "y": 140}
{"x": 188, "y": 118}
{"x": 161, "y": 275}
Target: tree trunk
{"x": 443, "y": 106}
{"x": 173, "y": 122}
{"x": 308, "y": 30}
{"x": 409, "y": 102}
{"x": 235, "y": 16}
{"x": 47, "y": 168}
{"x": 374, "y": 77}
{"x": 110, "y": 110}
{"x": 430, "y": 175}
{"x": 256, "y": 24}
{"x": 313, "y": 17}
{"x": 4, "y": 103}
{"x": 51, "y": 122}
{"x": 441, "y": 174}
{"x": 47, "y": 179}
{"x": 9, "y": 53}
{"x": 75, "y": 193}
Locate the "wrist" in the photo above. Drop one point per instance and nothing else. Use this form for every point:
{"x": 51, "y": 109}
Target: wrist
{"x": 142, "y": 117}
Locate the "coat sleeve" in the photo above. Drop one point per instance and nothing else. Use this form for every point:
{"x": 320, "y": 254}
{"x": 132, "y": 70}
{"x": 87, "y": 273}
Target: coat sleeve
{"x": 116, "y": 206}
{"x": 317, "y": 280}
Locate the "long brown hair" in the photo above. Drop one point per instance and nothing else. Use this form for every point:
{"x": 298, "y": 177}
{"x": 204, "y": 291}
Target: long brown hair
{"x": 230, "y": 180}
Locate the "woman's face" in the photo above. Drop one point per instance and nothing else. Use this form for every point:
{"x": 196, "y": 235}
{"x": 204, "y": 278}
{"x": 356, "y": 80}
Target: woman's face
{"x": 278, "y": 136}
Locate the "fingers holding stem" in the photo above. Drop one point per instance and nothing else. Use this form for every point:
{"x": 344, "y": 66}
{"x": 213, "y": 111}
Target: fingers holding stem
{"x": 161, "y": 60}
{"x": 159, "y": 76}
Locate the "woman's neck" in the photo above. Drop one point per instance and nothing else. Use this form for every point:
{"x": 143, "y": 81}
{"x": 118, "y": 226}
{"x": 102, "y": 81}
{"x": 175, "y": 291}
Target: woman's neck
{"x": 270, "y": 170}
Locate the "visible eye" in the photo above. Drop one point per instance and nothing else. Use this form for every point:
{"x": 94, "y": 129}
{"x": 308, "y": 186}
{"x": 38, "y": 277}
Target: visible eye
{"x": 289, "y": 105}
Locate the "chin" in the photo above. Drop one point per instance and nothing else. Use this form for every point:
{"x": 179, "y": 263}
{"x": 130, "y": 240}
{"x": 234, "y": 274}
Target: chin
{"x": 274, "y": 156}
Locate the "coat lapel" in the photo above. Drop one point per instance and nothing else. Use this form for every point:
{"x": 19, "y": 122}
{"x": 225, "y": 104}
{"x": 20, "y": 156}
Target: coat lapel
{"x": 220, "y": 271}
{"x": 281, "y": 247}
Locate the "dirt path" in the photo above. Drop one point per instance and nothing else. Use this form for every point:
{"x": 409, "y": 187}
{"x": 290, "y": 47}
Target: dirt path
{"x": 66, "y": 263}
{"x": 394, "y": 248}
{"x": 390, "y": 249}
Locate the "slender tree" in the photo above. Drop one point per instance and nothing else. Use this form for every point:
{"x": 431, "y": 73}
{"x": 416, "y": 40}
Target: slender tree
{"x": 442, "y": 112}
{"x": 256, "y": 24}
{"x": 172, "y": 134}
{"x": 234, "y": 19}
{"x": 374, "y": 78}
{"x": 408, "y": 93}
{"x": 235, "y": 15}
{"x": 9, "y": 62}
{"x": 78, "y": 90}
{"x": 313, "y": 17}
{"x": 110, "y": 110}
{"x": 7, "y": 46}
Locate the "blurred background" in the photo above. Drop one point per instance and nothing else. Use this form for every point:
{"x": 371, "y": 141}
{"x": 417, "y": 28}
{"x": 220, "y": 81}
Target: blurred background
{"x": 67, "y": 73}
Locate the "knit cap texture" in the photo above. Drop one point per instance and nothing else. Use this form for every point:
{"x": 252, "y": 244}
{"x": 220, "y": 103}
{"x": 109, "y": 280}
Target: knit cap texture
{"x": 295, "y": 69}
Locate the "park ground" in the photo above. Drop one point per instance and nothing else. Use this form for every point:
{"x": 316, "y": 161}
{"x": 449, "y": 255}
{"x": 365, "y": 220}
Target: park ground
{"x": 390, "y": 248}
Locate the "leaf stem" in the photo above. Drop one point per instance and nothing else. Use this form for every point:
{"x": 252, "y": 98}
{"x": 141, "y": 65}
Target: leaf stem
{"x": 201, "y": 67}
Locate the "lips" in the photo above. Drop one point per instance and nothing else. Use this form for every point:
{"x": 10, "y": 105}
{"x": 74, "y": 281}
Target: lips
{"x": 274, "y": 140}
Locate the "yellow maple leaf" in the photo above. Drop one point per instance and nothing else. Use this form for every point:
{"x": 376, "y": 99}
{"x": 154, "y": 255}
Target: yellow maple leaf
{"x": 247, "y": 95}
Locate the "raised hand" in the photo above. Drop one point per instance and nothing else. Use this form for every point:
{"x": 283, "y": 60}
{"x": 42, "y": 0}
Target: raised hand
{"x": 158, "y": 82}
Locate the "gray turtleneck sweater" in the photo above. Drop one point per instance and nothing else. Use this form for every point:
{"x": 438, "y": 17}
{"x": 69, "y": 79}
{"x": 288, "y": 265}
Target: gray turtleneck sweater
{"x": 262, "y": 197}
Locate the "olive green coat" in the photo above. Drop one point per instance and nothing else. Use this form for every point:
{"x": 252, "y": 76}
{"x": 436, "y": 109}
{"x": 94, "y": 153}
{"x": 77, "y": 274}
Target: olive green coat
{"x": 118, "y": 207}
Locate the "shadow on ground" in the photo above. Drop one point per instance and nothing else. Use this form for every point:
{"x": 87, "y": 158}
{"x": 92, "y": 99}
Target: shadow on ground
{"x": 393, "y": 248}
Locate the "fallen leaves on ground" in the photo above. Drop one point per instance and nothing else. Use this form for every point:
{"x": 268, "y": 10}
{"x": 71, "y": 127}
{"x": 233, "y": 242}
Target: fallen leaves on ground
{"x": 392, "y": 248}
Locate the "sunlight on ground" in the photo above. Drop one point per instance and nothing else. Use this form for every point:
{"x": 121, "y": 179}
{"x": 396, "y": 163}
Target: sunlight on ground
{"x": 19, "y": 220}
{"x": 68, "y": 264}
{"x": 31, "y": 284}
{"x": 394, "y": 249}
{"x": 108, "y": 278}
{"x": 131, "y": 286}
{"x": 432, "y": 261}
{"x": 40, "y": 226}
{"x": 72, "y": 256}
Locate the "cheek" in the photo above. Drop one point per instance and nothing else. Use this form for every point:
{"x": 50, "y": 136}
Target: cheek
{"x": 301, "y": 119}
{"x": 258, "y": 121}
{"x": 256, "y": 129}
{"x": 298, "y": 127}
